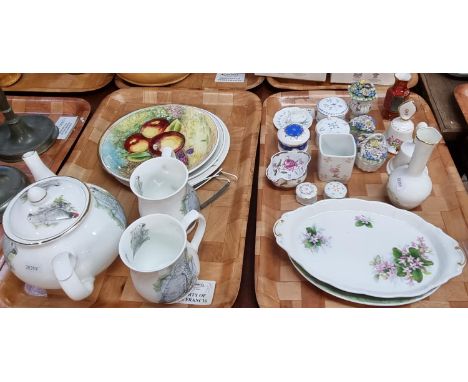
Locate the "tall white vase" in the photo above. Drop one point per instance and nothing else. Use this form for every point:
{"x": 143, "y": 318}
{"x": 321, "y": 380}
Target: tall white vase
{"x": 409, "y": 185}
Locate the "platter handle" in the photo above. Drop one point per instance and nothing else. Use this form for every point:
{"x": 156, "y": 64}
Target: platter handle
{"x": 460, "y": 250}
{"x": 275, "y": 227}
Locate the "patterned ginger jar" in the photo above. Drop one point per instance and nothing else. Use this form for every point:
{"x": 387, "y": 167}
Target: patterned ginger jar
{"x": 60, "y": 232}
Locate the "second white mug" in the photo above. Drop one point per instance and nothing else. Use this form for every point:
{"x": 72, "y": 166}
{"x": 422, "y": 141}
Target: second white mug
{"x": 161, "y": 185}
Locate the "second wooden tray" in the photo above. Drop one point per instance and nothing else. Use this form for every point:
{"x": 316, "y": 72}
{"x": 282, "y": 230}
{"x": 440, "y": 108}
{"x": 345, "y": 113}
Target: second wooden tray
{"x": 291, "y": 84}
{"x": 222, "y": 249}
{"x": 204, "y": 81}
{"x": 277, "y": 283}
{"x": 461, "y": 95}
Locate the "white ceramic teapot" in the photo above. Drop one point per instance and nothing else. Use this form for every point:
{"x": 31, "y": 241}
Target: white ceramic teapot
{"x": 61, "y": 232}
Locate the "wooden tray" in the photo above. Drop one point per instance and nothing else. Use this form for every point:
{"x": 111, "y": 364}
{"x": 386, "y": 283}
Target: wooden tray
{"x": 54, "y": 108}
{"x": 461, "y": 95}
{"x": 60, "y": 82}
{"x": 277, "y": 283}
{"x": 291, "y": 84}
{"x": 205, "y": 81}
{"x": 222, "y": 250}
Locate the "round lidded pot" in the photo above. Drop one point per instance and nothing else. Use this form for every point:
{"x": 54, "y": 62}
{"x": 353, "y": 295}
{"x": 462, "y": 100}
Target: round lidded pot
{"x": 293, "y": 137}
{"x": 331, "y": 125}
{"x": 362, "y": 95}
{"x": 332, "y": 107}
{"x": 60, "y": 232}
{"x": 361, "y": 127}
{"x": 335, "y": 190}
{"x": 306, "y": 193}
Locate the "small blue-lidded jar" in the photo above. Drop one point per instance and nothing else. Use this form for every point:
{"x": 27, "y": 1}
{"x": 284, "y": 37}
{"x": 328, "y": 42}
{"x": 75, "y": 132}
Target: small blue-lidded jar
{"x": 293, "y": 137}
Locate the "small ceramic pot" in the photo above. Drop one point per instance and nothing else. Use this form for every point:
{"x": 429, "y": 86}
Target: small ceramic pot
{"x": 336, "y": 157}
{"x": 335, "y": 190}
{"x": 362, "y": 95}
{"x": 293, "y": 115}
{"x": 306, "y": 193}
{"x": 361, "y": 127}
{"x": 331, "y": 125}
{"x": 372, "y": 153}
{"x": 332, "y": 107}
{"x": 288, "y": 168}
{"x": 161, "y": 185}
{"x": 164, "y": 266}
{"x": 293, "y": 137}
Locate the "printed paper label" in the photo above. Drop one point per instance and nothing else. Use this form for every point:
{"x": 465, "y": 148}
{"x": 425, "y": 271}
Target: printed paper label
{"x": 201, "y": 294}
{"x": 65, "y": 126}
{"x": 230, "y": 77}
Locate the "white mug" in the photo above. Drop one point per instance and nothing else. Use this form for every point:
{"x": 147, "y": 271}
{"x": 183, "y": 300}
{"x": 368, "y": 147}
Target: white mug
{"x": 337, "y": 153}
{"x": 161, "y": 185}
{"x": 164, "y": 266}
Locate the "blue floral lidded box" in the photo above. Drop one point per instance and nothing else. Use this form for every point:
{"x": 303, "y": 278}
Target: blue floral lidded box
{"x": 293, "y": 137}
{"x": 361, "y": 127}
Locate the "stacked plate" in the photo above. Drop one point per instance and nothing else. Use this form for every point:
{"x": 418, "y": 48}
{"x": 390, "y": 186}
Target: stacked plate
{"x": 199, "y": 138}
{"x": 368, "y": 252}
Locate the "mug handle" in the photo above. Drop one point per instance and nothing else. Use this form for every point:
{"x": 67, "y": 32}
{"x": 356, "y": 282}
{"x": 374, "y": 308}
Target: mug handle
{"x": 188, "y": 219}
{"x": 167, "y": 152}
{"x": 63, "y": 265}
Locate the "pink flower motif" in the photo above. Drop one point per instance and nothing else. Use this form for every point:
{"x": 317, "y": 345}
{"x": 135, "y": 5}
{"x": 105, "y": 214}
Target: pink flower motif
{"x": 290, "y": 164}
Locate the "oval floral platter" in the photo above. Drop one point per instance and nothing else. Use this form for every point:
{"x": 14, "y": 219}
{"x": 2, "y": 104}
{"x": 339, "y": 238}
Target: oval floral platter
{"x": 138, "y": 136}
{"x": 361, "y": 299}
{"x": 370, "y": 248}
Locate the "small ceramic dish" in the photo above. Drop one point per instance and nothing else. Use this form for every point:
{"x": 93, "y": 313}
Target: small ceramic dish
{"x": 332, "y": 107}
{"x": 330, "y": 125}
{"x": 293, "y": 137}
{"x": 293, "y": 115}
{"x": 288, "y": 168}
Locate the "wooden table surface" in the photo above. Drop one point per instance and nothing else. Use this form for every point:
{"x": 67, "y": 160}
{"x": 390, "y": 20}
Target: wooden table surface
{"x": 246, "y": 296}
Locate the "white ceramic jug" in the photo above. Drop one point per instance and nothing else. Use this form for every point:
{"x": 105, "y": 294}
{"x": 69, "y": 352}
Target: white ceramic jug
{"x": 61, "y": 232}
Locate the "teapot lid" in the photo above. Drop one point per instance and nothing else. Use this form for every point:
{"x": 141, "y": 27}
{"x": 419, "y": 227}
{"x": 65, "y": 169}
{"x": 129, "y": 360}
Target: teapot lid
{"x": 46, "y": 210}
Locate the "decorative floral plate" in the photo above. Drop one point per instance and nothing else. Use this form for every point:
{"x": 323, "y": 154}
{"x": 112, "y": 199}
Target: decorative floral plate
{"x": 369, "y": 248}
{"x": 359, "y": 298}
{"x": 140, "y": 135}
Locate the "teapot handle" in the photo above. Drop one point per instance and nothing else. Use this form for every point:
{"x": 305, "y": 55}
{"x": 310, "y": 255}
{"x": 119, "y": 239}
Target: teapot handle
{"x": 63, "y": 265}
{"x": 188, "y": 219}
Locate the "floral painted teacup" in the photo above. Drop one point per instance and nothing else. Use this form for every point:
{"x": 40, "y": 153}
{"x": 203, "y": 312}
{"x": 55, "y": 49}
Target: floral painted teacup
{"x": 161, "y": 185}
{"x": 164, "y": 265}
{"x": 337, "y": 153}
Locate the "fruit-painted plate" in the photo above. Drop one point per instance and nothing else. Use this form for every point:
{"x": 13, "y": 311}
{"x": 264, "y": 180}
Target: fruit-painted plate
{"x": 370, "y": 248}
{"x": 359, "y": 298}
{"x": 139, "y": 136}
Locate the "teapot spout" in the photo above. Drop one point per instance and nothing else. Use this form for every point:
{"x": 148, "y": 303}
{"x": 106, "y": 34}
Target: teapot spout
{"x": 37, "y": 167}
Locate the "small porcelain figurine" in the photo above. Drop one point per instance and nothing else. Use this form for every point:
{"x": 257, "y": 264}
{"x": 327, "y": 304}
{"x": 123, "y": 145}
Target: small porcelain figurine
{"x": 61, "y": 232}
{"x": 409, "y": 185}
{"x": 401, "y": 128}
{"x": 362, "y": 95}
